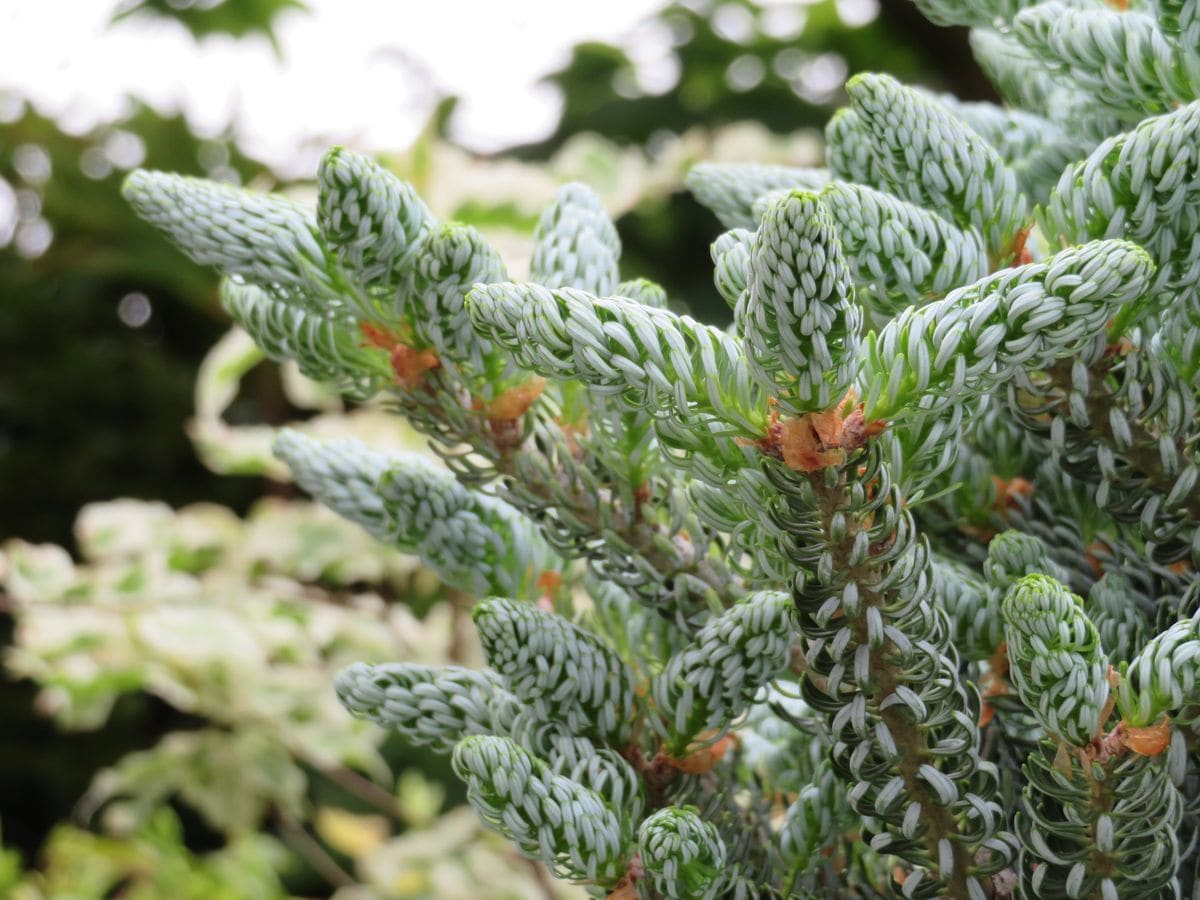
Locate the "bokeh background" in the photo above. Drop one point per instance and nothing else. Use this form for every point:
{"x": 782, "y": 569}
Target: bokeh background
{"x": 132, "y": 762}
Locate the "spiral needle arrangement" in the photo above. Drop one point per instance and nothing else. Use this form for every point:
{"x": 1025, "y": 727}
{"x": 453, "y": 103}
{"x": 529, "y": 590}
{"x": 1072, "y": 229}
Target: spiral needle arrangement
{"x": 889, "y": 587}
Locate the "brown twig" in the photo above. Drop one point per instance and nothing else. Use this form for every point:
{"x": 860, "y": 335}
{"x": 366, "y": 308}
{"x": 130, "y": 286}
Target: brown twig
{"x": 313, "y": 853}
{"x": 364, "y": 789}
{"x": 544, "y": 882}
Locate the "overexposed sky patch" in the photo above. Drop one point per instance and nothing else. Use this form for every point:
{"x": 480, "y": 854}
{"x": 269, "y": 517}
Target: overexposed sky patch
{"x": 361, "y": 72}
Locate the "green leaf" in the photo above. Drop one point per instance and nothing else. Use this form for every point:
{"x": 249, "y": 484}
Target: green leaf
{"x": 238, "y": 18}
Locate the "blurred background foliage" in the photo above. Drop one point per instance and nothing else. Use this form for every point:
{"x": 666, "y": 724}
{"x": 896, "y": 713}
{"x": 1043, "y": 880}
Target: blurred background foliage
{"x": 237, "y": 18}
{"x": 117, "y": 752}
{"x": 98, "y": 375}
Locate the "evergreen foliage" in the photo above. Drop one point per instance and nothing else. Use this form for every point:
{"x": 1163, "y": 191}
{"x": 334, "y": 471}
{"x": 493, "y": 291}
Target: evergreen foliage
{"x": 835, "y": 555}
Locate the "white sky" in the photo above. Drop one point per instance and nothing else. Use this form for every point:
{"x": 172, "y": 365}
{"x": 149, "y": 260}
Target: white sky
{"x": 362, "y": 72}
